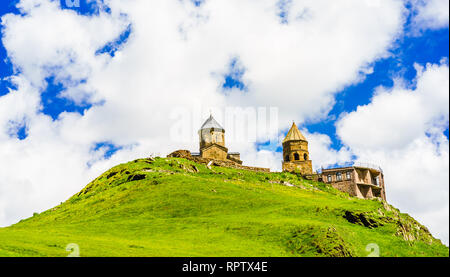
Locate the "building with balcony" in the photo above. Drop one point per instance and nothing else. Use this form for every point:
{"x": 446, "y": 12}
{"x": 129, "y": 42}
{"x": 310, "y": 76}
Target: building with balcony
{"x": 360, "y": 180}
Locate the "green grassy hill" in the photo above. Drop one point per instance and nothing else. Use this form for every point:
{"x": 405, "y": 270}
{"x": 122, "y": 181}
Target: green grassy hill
{"x": 175, "y": 207}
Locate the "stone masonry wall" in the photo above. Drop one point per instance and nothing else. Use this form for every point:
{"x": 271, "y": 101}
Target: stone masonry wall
{"x": 187, "y": 155}
{"x": 304, "y": 167}
{"x": 214, "y": 152}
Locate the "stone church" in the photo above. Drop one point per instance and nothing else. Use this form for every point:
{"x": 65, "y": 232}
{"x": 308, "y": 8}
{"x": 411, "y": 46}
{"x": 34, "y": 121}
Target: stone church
{"x": 360, "y": 180}
{"x": 212, "y": 143}
{"x": 295, "y": 152}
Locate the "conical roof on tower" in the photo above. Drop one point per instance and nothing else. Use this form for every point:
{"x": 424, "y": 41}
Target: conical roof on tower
{"x": 294, "y": 134}
{"x": 211, "y": 123}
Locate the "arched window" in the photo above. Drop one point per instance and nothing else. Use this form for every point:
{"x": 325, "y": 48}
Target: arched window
{"x": 305, "y": 156}
{"x": 296, "y": 156}
{"x": 339, "y": 176}
{"x": 286, "y": 158}
{"x": 348, "y": 175}
{"x": 329, "y": 178}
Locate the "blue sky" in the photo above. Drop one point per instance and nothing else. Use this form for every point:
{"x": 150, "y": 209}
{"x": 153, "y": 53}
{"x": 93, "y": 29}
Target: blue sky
{"x": 428, "y": 47}
{"x": 5, "y": 66}
{"x": 94, "y": 95}
{"x": 52, "y": 103}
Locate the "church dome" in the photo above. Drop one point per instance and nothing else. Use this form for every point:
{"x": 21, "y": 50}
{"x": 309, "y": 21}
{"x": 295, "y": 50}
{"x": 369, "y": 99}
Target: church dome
{"x": 294, "y": 134}
{"x": 211, "y": 123}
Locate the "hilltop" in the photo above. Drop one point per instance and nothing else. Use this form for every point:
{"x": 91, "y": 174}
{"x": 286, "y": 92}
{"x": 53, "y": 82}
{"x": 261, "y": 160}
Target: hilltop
{"x": 177, "y": 207}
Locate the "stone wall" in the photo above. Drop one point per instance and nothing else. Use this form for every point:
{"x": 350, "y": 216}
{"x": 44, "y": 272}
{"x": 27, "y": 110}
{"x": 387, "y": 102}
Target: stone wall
{"x": 186, "y": 154}
{"x": 211, "y": 136}
{"x": 303, "y": 167}
{"x": 238, "y": 166}
{"x": 346, "y": 186}
{"x": 214, "y": 152}
{"x": 291, "y": 148}
{"x": 235, "y": 158}
{"x": 366, "y": 191}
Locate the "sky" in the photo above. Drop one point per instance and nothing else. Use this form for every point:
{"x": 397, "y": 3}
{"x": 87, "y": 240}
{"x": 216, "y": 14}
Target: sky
{"x": 86, "y": 85}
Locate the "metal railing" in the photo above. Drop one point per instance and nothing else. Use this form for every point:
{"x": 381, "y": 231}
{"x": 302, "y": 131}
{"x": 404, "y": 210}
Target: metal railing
{"x": 368, "y": 165}
{"x": 355, "y": 164}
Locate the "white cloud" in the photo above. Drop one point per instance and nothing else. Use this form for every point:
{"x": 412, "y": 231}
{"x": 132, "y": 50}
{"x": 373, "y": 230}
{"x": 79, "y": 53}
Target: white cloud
{"x": 430, "y": 14}
{"x": 402, "y": 131}
{"x": 401, "y": 113}
{"x": 17, "y": 106}
{"x": 321, "y": 152}
{"x": 262, "y": 158}
{"x": 57, "y": 42}
{"x": 175, "y": 57}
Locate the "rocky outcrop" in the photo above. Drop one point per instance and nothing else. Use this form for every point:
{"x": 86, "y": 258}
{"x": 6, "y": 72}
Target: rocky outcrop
{"x": 136, "y": 177}
{"x": 363, "y": 219}
{"x": 186, "y": 154}
{"x": 411, "y": 230}
{"x": 407, "y": 227}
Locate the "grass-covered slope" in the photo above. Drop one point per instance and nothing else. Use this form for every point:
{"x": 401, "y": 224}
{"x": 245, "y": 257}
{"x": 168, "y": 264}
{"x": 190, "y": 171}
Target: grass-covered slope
{"x": 175, "y": 207}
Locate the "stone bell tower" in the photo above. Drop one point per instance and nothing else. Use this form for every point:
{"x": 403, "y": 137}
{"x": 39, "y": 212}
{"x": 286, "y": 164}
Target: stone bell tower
{"x": 212, "y": 140}
{"x": 295, "y": 152}
{"x": 211, "y": 133}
